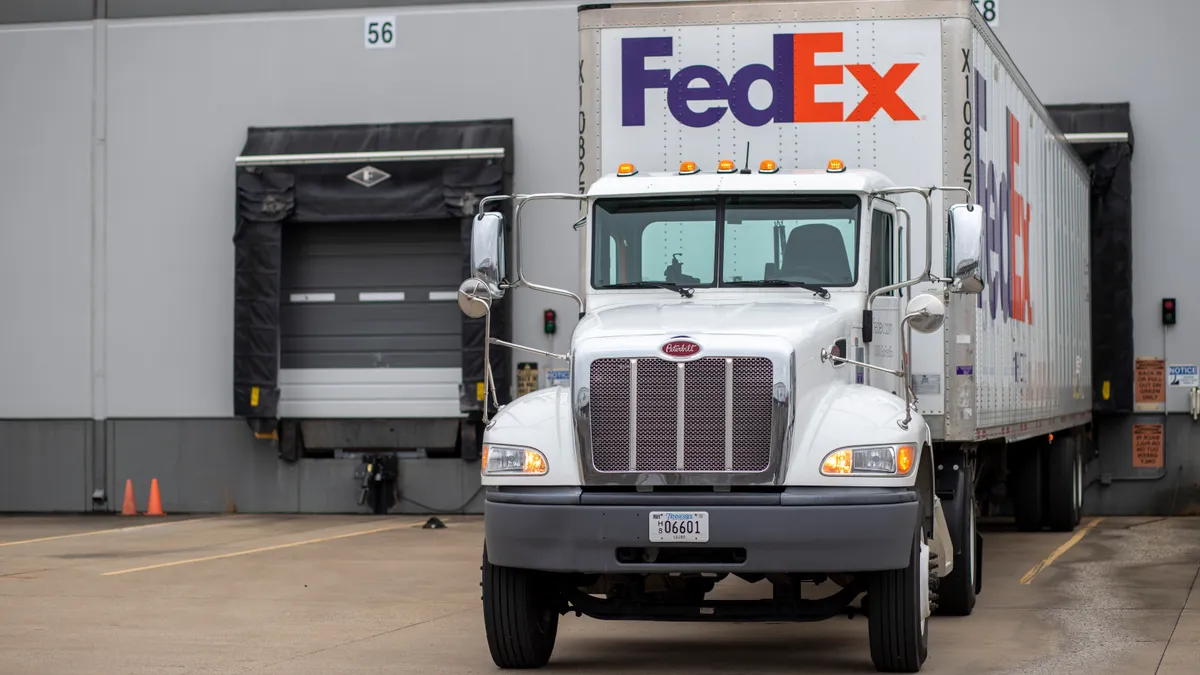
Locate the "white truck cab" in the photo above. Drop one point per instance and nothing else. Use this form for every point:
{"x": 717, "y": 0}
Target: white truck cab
{"x": 715, "y": 423}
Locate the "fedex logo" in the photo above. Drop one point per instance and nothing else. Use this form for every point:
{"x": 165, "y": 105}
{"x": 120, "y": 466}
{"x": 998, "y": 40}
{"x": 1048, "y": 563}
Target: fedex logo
{"x": 1007, "y": 213}
{"x": 793, "y": 78}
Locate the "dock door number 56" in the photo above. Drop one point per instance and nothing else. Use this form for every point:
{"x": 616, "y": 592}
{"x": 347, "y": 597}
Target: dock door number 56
{"x": 379, "y": 32}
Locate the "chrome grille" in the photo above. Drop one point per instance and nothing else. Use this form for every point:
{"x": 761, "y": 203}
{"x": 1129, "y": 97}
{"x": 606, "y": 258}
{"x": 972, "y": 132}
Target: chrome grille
{"x": 708, "y": 415}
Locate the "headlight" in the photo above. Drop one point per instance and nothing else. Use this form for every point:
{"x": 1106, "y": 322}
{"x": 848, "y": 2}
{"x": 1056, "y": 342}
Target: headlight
{"x": 876, "y": 460}
{"x": 504, "y": 460}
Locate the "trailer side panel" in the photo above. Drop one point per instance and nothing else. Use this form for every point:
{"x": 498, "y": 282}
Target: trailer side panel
{"x": 1032, "y": 360}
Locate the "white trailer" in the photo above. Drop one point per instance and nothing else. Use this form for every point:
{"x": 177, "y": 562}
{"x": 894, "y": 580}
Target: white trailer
{"x": 747, "y": 393}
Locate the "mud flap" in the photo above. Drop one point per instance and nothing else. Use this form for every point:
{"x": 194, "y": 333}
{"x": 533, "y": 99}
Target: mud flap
{"x": 942, "y": 546}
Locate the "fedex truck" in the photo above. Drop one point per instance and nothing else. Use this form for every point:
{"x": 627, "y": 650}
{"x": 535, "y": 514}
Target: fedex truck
{"x": 834, "y": 303}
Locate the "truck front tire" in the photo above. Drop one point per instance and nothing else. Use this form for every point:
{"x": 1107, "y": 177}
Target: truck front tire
{"x": 898, "y": 615}
{"x": 519, "y": 615}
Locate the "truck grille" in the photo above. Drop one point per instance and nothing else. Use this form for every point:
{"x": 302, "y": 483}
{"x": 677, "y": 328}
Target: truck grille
{"x": 707, "y": 415}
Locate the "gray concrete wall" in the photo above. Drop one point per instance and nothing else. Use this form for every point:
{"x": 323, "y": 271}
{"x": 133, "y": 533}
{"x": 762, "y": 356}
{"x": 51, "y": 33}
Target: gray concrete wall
{"x": 203, "y": 466}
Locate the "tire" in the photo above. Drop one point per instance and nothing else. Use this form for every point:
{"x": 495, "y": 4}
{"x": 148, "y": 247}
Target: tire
{"x": 956, "y": 592}
{"x": 1025, "y": 482}
{"x": 1064, "y": 484}
{"x": 518, "y": 615}
{"x": 897, "y": 618}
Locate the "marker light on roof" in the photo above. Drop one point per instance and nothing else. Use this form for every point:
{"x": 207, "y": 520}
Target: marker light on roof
{"x": 626, "y": 169}
{"x": 726, "y": 166}
{"x": 835, "y": 166}
{"x": 767, "y": 166}
{"x": 688, "y": 168}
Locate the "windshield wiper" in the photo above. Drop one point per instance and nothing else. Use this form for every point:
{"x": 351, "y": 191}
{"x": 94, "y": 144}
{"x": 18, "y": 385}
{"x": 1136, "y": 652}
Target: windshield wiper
{"x": 682, "y": 290}
{"x": 782, "y": 282}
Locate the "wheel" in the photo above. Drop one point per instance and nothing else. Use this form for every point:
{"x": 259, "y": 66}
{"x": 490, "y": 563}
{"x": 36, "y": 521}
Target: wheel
{"x": 519, "y": 616}
{"x": 898, "y": 614}
{"x": 956, "y": 592}
{"x": 1064, "y": 483}
{"x": 1025, "y": 482}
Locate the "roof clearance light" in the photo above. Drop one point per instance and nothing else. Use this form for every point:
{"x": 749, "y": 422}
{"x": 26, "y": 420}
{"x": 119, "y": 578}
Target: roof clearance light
{"x": 688, "y": 168}
{"x": 726, "y": 166}
{"x": 835, "y": 166}
{"x": 626, "y": 169}
{"x": 767, "y": 166}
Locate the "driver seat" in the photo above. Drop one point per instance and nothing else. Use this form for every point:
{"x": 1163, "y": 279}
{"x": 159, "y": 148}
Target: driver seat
{"x": 816, "y": 246}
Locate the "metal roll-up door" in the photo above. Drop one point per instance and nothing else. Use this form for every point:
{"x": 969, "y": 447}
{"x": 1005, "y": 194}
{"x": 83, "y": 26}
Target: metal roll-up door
{"x": 368, "y": 318}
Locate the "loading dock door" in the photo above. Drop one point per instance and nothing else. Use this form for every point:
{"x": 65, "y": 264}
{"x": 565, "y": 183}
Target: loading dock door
{"x": 369, "y": 324}
{"x": 349, "y": 245}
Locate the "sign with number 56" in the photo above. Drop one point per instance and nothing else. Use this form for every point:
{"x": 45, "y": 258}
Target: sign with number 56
{"x": 990, "y": 11}
{"x": 380, "y": 32}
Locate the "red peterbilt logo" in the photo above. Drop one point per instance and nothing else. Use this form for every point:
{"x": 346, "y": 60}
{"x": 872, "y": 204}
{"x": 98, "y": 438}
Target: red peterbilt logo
{"x": 680, "y": 349}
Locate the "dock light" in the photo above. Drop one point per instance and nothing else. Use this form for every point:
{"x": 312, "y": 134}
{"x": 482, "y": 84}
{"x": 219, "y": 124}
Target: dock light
{"x": 1168, "y": 311}
{"x": 549, "y": 322}
{"x": 767, "y": 166}
{"x": 626, "y": 169}
{"x": 726, "y": 166}
{"x": 835, "y": 166}
{"x": 688, "y": 168}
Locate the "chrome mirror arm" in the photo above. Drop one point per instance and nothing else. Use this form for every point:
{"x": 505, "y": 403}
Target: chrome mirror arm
{"x": 561, "y": 357}
{"x": 826, "y": 356}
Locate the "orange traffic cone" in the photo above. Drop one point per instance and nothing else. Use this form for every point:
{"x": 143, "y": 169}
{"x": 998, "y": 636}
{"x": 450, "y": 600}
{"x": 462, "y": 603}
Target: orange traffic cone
{"x": 154, "y": 508}
{"x": 130, "y": 507}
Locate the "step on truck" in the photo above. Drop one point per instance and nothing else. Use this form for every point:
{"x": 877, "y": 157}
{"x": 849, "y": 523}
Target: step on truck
{"x": 833, "y": 305}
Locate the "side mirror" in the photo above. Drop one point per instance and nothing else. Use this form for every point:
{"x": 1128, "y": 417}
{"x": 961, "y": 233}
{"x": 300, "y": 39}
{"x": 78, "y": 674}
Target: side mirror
{"x": 474, "y": 299}
{"x": 925, "y": 313}
{"x": 966, "y": 248}
{"x": 487, "y": 252}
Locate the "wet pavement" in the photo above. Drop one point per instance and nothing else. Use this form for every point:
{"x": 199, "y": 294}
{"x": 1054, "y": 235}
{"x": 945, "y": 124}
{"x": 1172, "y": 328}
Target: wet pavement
{"x": 349, "y": 594}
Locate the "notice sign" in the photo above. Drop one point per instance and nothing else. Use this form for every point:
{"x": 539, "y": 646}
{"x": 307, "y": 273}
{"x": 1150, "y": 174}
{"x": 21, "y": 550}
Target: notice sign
{"x": 1149, "y": 383}
{"x": 1147, "y": 446}
{"x": 1183, "y": 376}
{"x": 527, "y": 378}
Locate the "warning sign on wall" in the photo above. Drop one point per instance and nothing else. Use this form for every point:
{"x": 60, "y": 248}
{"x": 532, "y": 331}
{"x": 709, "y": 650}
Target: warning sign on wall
{"x": 1149, "y": 383}
{"x": 527, "y": 378}
{"x": 1147, "y": 446}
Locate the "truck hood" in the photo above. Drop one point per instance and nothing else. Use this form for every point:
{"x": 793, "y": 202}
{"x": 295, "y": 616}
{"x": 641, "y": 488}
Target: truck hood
{"x": 796, "y": 321}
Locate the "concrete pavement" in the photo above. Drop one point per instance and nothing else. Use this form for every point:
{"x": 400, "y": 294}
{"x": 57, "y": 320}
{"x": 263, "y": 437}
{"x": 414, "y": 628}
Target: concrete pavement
{"x": 348, "y": 594}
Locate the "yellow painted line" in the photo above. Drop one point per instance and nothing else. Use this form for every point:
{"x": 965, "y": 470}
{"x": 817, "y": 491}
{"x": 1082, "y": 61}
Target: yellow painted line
{"x": 256, "y": 550}
{"x": 89, "y": 533}
{"x": 1058, "y": 552}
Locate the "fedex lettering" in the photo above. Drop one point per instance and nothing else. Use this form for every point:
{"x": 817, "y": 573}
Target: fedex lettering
{"x": 1007, "y": 214}
{"x": 793, "y": 80}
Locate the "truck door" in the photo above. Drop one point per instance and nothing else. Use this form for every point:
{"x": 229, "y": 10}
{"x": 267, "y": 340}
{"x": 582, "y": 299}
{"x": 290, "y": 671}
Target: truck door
{"x": 883, "y": 269}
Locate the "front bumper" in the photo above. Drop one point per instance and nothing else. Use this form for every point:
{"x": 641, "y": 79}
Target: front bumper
{"x": 798, "y": 530}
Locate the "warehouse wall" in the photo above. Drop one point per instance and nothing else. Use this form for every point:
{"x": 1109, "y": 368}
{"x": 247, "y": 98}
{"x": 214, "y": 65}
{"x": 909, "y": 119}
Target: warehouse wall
{"x": 119, "y": 121}
{"x": 125, "y": 270}
{"x": 1100, "y": 51}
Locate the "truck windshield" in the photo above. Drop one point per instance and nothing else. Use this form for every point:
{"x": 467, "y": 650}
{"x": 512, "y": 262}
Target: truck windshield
{"x": 738, "y": 239}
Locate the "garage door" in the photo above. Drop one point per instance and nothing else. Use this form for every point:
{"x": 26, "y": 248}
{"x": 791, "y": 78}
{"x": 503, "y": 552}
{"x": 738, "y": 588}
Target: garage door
{"x": 369, "y": 322}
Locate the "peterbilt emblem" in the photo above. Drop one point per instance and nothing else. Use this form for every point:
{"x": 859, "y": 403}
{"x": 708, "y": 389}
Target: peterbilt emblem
{"x": 680, "y": 349}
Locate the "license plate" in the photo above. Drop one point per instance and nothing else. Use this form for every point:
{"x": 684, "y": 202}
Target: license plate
{"x": 673, "y": 526}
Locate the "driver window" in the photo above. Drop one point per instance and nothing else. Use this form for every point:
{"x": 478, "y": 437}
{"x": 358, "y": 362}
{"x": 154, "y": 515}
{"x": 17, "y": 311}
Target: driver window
{"x": 881, "y": 251}
{"x": 794, "y": 239}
